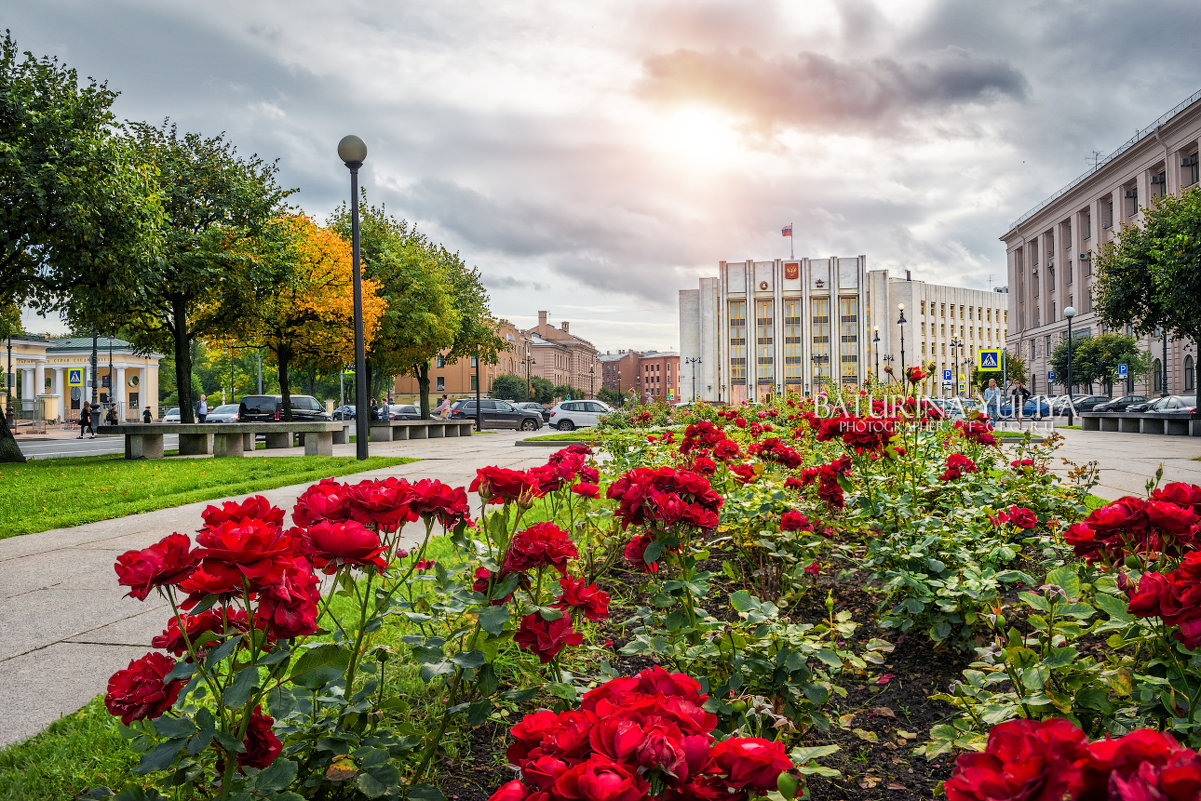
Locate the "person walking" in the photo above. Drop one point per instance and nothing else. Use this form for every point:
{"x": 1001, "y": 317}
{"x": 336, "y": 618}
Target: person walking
{"x": 1020, "y": 395}
{"x": 443, "y": 408}
{"x": 992, "y": 399}
{"x": 111, "y": 417}
{"x": 202, "y": 409}
{"x": 85, "y": 419}
{"x": 147, "y": 415}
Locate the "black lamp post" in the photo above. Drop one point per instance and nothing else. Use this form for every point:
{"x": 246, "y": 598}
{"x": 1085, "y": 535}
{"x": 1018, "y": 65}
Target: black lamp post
{"x": 901, "y": 322}
{"x": 479, "y": 407}
{"x": 352, "y": 150}
{"x": 956, "y": 346}
{"x": 693, "y": 361}
{"x": 1069, "y": 313}
{"x": 591, "y": 382}
{"x": 1163, "y": 383}
{"x": 529, "y": 387}
{"x": 876, "y": 350}
{"x": 8, "y": 385}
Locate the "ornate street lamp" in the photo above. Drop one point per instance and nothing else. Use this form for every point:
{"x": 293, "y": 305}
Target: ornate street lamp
{"x": 693, "y": 361}
{"x": 901, "y": 322}
{"x": 591, "y": 382}
{"x": 353, "y": 151}
{"x": 1069, "y": 313}
{"x": 956, "y": 347}
{"x": 876, "y": 350}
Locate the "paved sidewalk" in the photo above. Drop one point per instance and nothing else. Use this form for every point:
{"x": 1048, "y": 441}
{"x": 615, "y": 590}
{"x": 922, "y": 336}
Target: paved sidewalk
{"x": 1129, "y": 461}
{"x": 67, "y": 625}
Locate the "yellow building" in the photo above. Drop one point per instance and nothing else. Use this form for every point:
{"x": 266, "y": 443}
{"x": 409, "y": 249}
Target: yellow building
{"x": 52, "y": 377}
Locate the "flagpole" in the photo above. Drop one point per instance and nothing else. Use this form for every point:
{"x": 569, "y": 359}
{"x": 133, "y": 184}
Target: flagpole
{"x": 791, "y": 237}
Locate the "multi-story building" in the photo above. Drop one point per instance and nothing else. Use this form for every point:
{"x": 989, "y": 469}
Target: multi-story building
{"x": 619, "y": 371}
{"x": 766, "y": 327}
{"x": 1049, "y": 249}
{"x": 944, "y": 325}
{"x": 457, "y": 377}
{"x": 818, "y": 322}
{"x": 561, "y": 357}
{"x": 658, "y": 377}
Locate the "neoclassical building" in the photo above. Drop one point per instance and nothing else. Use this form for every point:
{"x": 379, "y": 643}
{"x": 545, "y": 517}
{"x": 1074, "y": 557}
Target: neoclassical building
{"x": 54, "y": 376}
{"x": 1049, "y": 249}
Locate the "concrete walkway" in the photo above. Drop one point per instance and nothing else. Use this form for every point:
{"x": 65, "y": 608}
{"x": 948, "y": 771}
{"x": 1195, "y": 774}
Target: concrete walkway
{"x": 67, "y": 626}
{"x": 1129, "y": 461}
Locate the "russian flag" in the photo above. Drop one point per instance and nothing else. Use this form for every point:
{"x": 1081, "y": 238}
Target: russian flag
{"x": 786, "y": 230}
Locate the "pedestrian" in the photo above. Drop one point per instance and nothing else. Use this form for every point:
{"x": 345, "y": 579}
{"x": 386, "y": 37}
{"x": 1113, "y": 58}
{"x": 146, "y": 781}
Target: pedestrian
{"x": 443, "y": 407}
{"x": 111, "y": 417}
{"x": 992, "y": 399}
{"x": 374, "y": 409}
{"x": 85, "y": 419}
{"x": 1020, "y": 395}
{"x": 147, "y": 415}
{"x": 202, "y": 409}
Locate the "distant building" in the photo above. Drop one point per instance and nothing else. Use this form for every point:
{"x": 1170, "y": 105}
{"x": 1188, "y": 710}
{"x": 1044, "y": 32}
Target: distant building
{"x": 53, "y": 377}
{"x": 659, "y": 377}
{"x": 563, "y": 358}
{"x": 1049, "y": 249}
{"x": 619, "y": 370}
{"x": 457, "y": 378}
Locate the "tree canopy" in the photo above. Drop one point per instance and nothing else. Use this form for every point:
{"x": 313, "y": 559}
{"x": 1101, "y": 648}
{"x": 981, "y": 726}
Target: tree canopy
{"x": 509, "y": 387}
{"x": 1097, "y": 359}
{"x": 1150, "y": 275}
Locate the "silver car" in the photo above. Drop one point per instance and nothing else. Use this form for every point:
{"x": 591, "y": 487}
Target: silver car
{"x": 172, "y": 415}
{"x": 227, "y": 413}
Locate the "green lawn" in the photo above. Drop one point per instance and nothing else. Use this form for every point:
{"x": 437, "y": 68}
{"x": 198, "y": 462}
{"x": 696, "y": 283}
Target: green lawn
{"x": 52, "y": 493}
{"x": 579, "y": 435}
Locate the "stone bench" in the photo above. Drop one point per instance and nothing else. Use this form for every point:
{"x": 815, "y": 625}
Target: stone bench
{"x": 145, "y": 440}
{"x": 393, "y": 430}
{"x": 1181, "y": 425}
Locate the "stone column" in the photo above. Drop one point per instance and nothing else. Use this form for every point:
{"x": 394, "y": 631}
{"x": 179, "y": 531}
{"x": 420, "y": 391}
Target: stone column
{"x": 120, "y": 394}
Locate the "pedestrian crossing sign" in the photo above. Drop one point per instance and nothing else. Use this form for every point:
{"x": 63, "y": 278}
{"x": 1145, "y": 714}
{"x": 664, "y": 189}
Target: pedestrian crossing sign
{"x": 989, "y": 359}
{"x": 75, "y": 377}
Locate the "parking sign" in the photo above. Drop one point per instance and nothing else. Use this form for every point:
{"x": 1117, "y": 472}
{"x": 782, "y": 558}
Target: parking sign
{"x": 1122, "y": 370}
{"x": 1050, "y": 375}
{"x": 946, "y": 375}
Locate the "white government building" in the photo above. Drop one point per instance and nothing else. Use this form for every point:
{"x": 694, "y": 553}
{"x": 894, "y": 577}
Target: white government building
{"x": 794, "y": 325}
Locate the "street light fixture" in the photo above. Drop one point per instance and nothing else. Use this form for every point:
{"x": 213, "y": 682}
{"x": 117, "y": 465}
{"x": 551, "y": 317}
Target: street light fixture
{"x": 8, "y": 385}
{"x": 901, "y": 322}
{"x": 956, "y": 347}
{"x": 353, "y": 151}
{"x": 591, "y": 382}
{"x": 529, "y": 391}
{"x": 693, "y": 361}
{"x": 1069, "y": 313}
{"x": 876, "y": 350}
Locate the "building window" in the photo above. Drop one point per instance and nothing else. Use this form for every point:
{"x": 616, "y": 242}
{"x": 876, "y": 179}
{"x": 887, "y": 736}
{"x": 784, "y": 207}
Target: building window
{"x": 1188, "y": 169}
{"x": 792, "y": 339}
{"x": 1107, "y": 214}
{"x": 1190, "y": 374}
{"x": 440, "y": 361}
{"x": 923, "y": 307}
{"x": 1086, "y": 224}
{"x": 1157, "y": 376}
{"x": 942, "y": 310}
{"x": 738, "y": 340}
{"x": 848, "y": 313}
{"x": 764, "y": 334}
{"x": 473, "y": 382}
{"x": 439, "y": 382}
{"x": 820, "y": 325}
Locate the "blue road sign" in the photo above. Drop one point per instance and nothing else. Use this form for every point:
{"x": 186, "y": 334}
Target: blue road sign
{"x": 989, "y": 359}
{"x": 1050, "y": 375}
{"x": 1122, "y": 370}
{"x": 946, "y": 375}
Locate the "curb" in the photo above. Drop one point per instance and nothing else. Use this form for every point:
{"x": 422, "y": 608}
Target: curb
{"x": 552, "y": 443}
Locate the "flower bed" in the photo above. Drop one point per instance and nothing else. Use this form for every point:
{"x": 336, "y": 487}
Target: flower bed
{"x": 849, "y": 597}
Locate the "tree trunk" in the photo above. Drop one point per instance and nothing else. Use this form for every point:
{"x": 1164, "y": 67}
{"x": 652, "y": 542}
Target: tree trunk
{"x": 283, "y": 355}
{"x": 9, "y": 451}
{"x": 423, "y": 389}
{"x": 183, "y": 362}
{"x": 1197, "y": 373}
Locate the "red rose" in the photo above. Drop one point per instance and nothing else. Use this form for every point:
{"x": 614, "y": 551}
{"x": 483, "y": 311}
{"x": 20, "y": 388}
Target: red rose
{"x": 792, "y": 520}
{"x": 1125, "y": 514}
{"x": 510, "y": 791}
{"x": 169, "y": 561}
{"x": 601, "y": 779}
{"x": 915, "y": 374}
{"x": 289, "y": 607}
{"x": 1170, "y": 518}
{"x": 616, "y": 738}
{"x": 635, "y": 553}
{"x": 499, "y": 485}
{"x": 432, "y": 498}
{"x": 215, "y": 578}
{"x": 586, "y": 490}
{"x": 1144, "y": 765}
{"x": 220, "y": 622}
{"x": 331, "y": 545}
{"x": 751, "y": 761}
{"x": 1181, "y": 494}
{"x": 1026, "y": 760}
{"x": 727, "y": 450}
{"x": 262, "y": 746}
{"x": 1022, "y": 517}
{"x": 138, "y": 691}
{"x": 383, "y": 503}
{"x": 591, "y": 601}
{"x": 540, "y": 545}
{"x": 544, "y": 638}
{"x": 529, "y": 734}
{"x": 258, "y": 550}
{"x": 325, "y": 500}
{"x": 256, "y": 507}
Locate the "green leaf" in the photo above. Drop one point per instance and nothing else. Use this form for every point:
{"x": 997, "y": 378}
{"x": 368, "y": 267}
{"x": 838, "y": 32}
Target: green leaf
{"x": 470, "y": 659}
{"x": 432, "y": 670}
{"x": 160, "y": 757}
{"x": 279, "y": 775}
{"x": 802, "y": 755}
{"x": 172, "y": 728}
{"x": 652, "y": 552}
{"x": 1065, "y": 576}
{"x": 1117, "y": 608}
{"x": 493, "y": 619}
{"x": 742, "y": 601}
{"x": 222, "y": 651}
{"x": 237, "y": 692}
{"x": 319, "y": 666}
{"x": 424, "y": 792}
{"x": 183, "y": 670}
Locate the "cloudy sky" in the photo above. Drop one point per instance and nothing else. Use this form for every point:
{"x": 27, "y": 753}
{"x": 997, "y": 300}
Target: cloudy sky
{"x": 592, "y": 158}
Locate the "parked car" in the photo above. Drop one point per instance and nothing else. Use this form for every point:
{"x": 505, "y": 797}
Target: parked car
{"x": 172, "y": 415}
{"x": 398, "y": 411}
{"x": 1033, "y": 407}
{"x": 534, "y": 406}
{"x": 1172, "y": 405}
{"x": 269, "y": 408}
{"x": 570, "y": 415}
{"x": 1089, "y": 403}
{"x": 1060, "y": 404}
{"x": 496, "y": 414}
{"x": 1121, "y": 404}
{"x": 225, "y": 413}
{"x": 345, "y": 412}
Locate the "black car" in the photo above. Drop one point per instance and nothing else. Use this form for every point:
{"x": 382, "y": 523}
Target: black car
{"x": 1121, "y": 404}
{"x": 269, "y": 409}
{"x": 534, "y": 406}
{"x": 345, "y": 412}
{"x": 403, "y": 412}
{"x": 497, "y": 414}
{"x": 1090, "y": 403}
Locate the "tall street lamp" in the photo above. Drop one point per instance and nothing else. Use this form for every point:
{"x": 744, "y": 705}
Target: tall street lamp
{"x": 956, "y": 346}
{"x": 693, "y": 361}
{"x": 8, "y": 385}
{"x": 591, "y": 382}
{"x": 876, "y": 350}
{"x": 1069, "y": 313}
{"x": 901, "y": 322}
{"x": 529, "y": 390}
{"x": 479, "y": 407}
{"x": 1163, "y": 381}
{"x": 353, "y": 151}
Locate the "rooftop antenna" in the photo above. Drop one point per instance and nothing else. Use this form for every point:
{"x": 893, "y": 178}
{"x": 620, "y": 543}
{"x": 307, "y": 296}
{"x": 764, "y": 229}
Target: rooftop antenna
{"x": 1095, "y": 157}
{"x": 990, "y": 282}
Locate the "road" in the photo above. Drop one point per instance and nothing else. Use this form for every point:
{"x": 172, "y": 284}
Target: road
{"x": 51, "y": 448}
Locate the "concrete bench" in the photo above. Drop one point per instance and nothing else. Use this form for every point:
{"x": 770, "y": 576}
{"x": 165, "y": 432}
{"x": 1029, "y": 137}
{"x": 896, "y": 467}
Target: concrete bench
{"x": 393, "y": 430}
{"x": 145, "y": 440}
{"x": 1182, "y": 425}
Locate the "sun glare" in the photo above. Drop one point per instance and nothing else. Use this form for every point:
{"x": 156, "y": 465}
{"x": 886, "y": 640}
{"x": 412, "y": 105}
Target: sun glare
{"x": 702, "y": 137}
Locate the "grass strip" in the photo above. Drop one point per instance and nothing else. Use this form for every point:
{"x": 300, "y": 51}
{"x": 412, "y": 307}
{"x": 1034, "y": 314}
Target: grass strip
{"x": 43, "y": 494}
{"x": 567, "y": 436}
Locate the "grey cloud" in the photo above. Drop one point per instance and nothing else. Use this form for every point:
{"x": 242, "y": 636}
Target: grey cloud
{"x": 812, "y": 90}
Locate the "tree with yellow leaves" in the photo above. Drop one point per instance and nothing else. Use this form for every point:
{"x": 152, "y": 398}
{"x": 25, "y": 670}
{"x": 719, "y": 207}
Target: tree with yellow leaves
{"x": 307, "y": 314}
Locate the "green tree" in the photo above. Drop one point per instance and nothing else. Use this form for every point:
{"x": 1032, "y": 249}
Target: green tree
{"x": 1015, "y": 370}
{"x": 202, "y": 281}
{"x": 1102, "y": 355}
{"x": 544, "y": 391}
{"x": 509, "y": 387}
{"x": 476, "y": 328}
{"x": 610, "y": 396}
{"x": 78, "y": 206}
{"x": 1150, "y": 275}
